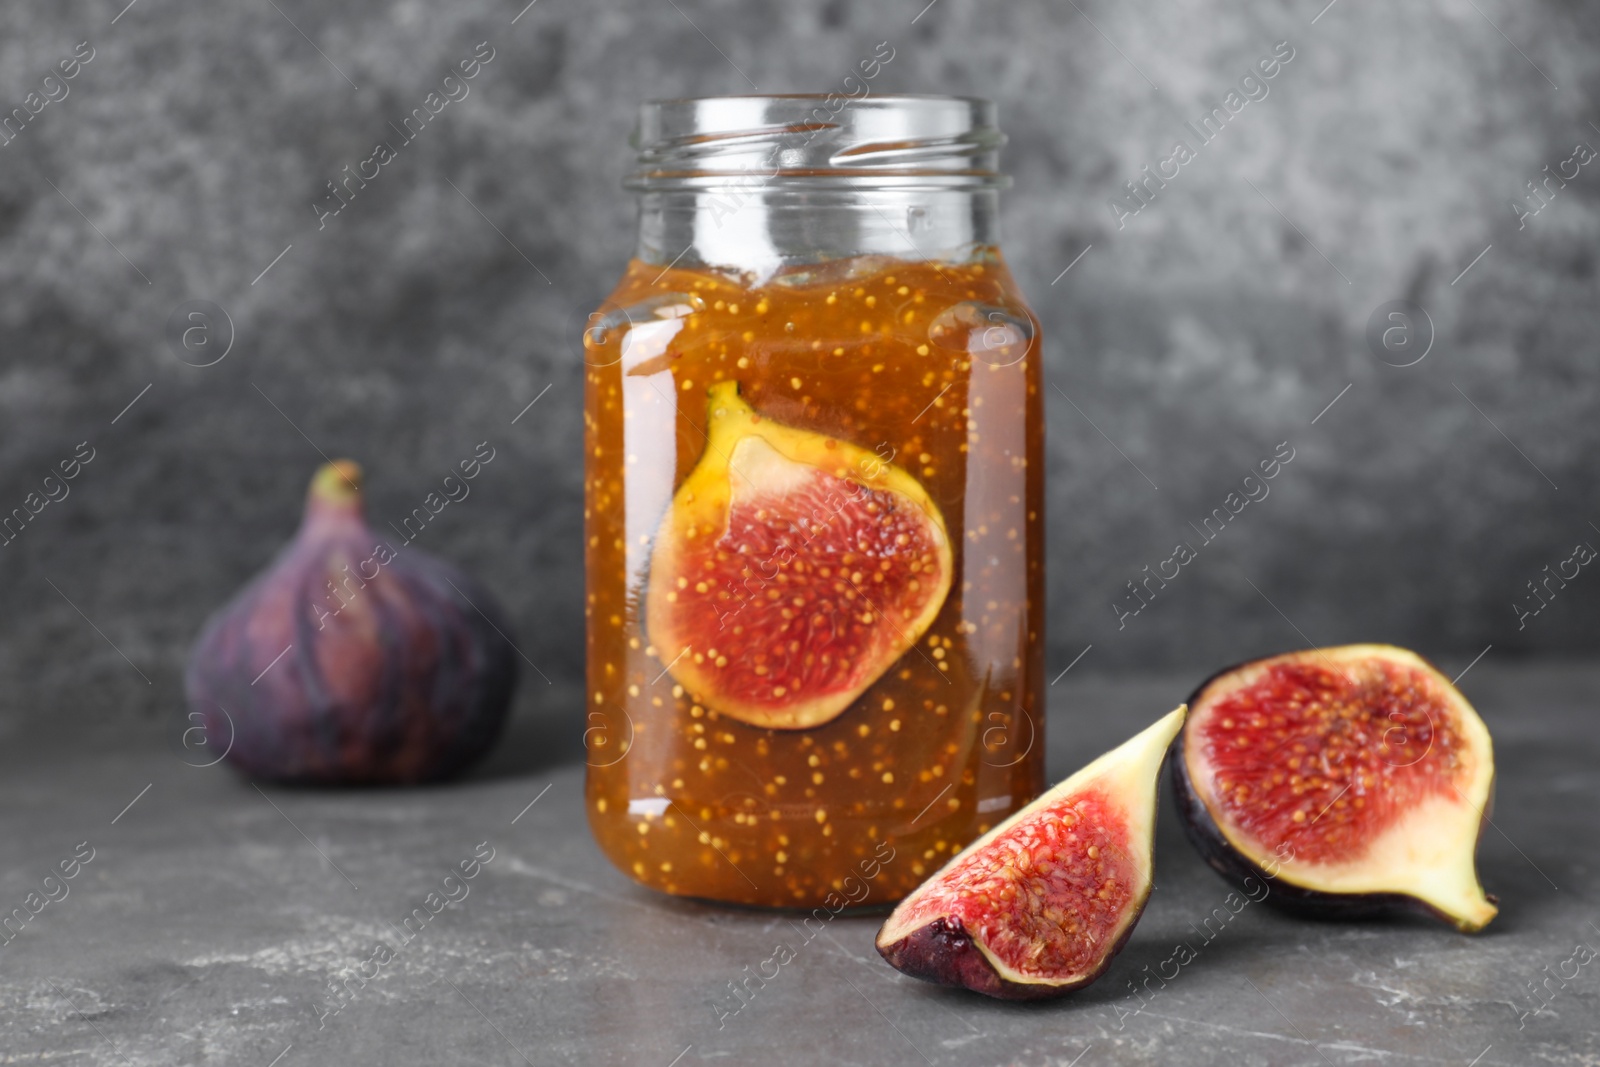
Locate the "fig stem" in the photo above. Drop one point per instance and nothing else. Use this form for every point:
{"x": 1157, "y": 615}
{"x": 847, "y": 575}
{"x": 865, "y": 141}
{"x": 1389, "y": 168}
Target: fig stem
{"x": 336, "y": 491}
{"x": 338, "y": 481}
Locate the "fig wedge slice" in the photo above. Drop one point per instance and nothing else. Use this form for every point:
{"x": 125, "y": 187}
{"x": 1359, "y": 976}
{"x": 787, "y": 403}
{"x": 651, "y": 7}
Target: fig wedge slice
{"x": 1040, "y": 904}
{"x": 1358, "y": 778}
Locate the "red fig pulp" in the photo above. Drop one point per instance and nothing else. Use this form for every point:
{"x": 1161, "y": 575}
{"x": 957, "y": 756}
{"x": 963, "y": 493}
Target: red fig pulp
{"x": 348, "y": 661}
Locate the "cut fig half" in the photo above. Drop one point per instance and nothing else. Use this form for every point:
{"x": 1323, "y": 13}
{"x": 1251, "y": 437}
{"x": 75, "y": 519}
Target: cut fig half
{"x": 791, "y": 570}
{"x": 1353, "y": 781}
{"x": 1040, "y": 904}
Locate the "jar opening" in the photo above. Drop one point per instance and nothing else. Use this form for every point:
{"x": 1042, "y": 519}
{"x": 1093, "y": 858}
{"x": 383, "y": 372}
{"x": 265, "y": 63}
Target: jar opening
{"x": 818, "y": 140}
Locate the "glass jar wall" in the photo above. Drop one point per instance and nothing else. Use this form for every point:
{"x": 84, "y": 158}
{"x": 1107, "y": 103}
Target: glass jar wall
{"x": 813, "y": 512}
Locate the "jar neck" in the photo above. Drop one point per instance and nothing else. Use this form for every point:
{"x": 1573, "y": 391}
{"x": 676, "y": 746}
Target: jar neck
{"x": 760, "y": 227}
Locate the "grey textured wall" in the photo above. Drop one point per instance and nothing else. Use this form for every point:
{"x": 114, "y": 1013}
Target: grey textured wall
{"x": 1183, "y": 347}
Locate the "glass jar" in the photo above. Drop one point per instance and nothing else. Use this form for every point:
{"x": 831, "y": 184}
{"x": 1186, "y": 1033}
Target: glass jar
{"x": 813, "y": 437}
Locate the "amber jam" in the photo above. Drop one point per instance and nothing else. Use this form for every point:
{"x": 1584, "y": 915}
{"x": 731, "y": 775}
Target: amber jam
{"x": 813, "y": 508}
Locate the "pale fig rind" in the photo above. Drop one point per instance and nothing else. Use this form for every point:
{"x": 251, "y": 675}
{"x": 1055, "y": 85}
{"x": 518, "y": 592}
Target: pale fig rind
{"x": 1012, "y": 944}
{"x": 766, "y": 596}
{"x": 1451, "y": 891}
{"x": 397, "y": 672}
{"x": 1221, "y": 856}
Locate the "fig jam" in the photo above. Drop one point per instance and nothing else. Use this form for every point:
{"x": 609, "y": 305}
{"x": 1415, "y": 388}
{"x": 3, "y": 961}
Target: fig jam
{"x": 929, "y": 366}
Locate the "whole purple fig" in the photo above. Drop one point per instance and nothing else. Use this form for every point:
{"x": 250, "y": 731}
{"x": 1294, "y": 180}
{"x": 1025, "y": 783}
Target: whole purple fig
{"x": 351, "y": 662}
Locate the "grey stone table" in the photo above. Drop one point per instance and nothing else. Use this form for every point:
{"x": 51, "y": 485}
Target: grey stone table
{"x": 211, "y": 917}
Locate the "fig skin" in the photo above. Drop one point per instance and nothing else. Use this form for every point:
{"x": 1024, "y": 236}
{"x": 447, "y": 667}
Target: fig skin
{"x": 390, "y": 679}
{"x": 1240, "y": 869}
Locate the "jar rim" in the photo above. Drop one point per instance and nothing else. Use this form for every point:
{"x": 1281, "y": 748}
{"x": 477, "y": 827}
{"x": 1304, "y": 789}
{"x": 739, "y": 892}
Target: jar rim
{"x": 958, "y": 97}
{"x": 892, "y": 140}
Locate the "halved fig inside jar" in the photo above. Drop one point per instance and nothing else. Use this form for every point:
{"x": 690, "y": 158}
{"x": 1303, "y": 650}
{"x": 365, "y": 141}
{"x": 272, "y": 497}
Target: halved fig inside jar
{"x": 1357, "y": 779}
{"x": 791, "y": 570}
{"x": 1040, "y": 904}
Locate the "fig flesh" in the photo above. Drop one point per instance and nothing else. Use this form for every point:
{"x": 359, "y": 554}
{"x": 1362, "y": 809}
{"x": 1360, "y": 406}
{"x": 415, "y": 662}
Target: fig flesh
{"x": 791, "y": 570}
{"x": 1357, "y": 778}
{"x": 350, "y": 662}
{"x": 1040, "y": 904}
